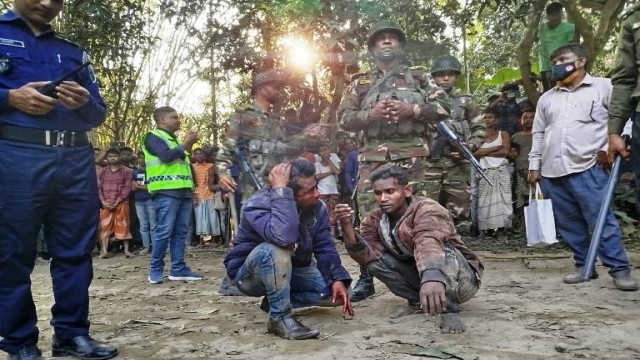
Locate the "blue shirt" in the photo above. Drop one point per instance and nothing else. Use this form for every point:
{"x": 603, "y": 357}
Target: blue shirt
{"x": 45, "y": 57}
{"x": 140, "y": 176}
{"x": 351, "y": 170}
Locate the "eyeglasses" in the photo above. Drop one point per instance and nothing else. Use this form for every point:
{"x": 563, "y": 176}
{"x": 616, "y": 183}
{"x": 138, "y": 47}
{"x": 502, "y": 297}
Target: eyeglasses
{"x": 593, "y": 103}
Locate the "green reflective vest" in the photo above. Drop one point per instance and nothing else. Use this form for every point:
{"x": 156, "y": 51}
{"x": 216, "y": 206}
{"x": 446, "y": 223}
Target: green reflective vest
{"x": 166, "y": 176}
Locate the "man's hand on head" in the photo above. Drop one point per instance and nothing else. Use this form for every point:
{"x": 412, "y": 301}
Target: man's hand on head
{"x": 279, "y": 175}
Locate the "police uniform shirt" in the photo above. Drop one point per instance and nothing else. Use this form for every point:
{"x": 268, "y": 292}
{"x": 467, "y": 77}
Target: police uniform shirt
{"x": 26, "y": 58}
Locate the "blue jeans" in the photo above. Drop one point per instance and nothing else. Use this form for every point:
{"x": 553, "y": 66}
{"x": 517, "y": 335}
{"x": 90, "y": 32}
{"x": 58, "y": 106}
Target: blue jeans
{"x": 268, "y": 271}
{"x": 576, "y": 202}
{"x": 172, "y": 214}
{"x": 147, "y": 217}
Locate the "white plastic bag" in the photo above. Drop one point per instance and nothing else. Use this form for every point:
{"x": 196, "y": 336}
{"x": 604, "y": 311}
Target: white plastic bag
{"x": 538, "y": 219}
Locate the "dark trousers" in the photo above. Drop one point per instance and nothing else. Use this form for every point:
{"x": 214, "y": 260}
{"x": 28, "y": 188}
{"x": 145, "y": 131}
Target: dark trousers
{"x": 55, "y": 187}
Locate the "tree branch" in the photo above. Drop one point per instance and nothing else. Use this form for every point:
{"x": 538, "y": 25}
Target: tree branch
{"x": 525, "y": 52}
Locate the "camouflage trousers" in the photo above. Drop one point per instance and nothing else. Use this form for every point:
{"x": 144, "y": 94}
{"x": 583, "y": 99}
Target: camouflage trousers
{"x": 416, "y": 170}
{"x": 447, "y": 182}
{"x": 402, "y": 278}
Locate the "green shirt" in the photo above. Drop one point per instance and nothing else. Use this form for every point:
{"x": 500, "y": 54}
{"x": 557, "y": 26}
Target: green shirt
{"x": 551, "y": 39}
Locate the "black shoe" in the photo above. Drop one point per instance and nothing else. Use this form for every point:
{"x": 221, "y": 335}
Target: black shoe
{"x": 287, "y": 327}
{"x": 29, "y": 352}
{"x": 264, "y": 305}
{"x": 82, "y": 347}
{"x": 228, "y": 288}
{"x": 362, "y": 289}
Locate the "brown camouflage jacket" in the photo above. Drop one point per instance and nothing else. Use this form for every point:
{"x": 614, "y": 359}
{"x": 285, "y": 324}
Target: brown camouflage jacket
{"x": 421, "y": 234}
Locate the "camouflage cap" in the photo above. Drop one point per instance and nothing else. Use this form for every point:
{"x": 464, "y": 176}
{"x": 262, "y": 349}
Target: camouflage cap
{"x": 381, "y": 27}
{"x": 267, "y": 76}
{"x": 446, "y": 63}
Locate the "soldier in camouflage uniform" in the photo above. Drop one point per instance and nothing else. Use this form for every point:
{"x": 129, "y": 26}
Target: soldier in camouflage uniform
{"x": 448, "y": 177}
{"x": 256, "y": 134}
{"x": 392, "y": 105}
{"x": 626, "y": 90}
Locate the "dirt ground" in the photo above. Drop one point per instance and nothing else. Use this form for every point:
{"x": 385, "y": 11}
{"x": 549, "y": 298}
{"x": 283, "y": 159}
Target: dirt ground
{"x": 522, "y": 311}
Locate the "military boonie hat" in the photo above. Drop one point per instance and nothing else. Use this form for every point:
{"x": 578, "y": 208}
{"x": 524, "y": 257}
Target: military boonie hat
{"x": 382, "y": 27}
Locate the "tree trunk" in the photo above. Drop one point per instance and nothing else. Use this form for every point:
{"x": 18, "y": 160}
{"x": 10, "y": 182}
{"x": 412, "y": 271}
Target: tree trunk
{"x": 595, "y": 41}
{"x": 525, "y": 52}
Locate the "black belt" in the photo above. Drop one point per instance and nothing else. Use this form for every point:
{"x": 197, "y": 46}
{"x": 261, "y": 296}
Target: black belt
{"x": 44, "y": 137}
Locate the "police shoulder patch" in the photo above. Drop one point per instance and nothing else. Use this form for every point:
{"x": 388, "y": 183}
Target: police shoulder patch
{"x": 623, "y": 15}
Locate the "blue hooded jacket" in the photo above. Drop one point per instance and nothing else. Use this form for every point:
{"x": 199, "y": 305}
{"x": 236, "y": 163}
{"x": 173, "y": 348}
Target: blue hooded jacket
{"x": 271, "y": 215}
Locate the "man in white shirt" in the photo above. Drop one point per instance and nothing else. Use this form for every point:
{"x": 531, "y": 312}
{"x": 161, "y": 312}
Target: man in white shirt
{"x": 569, "y": 129}
{"x": 327, "y": 172}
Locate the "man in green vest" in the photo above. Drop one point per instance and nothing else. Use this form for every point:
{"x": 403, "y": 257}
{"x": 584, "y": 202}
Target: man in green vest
{"x": 170, "y": 183}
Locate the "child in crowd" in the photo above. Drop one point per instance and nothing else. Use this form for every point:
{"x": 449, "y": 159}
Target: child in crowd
{"x": 114, "y": 185}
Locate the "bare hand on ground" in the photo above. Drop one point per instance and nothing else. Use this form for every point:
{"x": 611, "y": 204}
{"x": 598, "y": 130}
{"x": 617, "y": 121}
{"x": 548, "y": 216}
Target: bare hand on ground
{"x": 432, "y": 297}
{"x": 339, "y": 292}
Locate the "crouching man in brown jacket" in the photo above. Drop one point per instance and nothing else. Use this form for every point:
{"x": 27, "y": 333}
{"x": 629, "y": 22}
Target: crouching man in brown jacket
{"x": 411, "y": 245}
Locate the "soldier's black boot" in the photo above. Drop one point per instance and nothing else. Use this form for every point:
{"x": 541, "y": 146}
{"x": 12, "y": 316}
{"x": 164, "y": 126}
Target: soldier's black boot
{"x": 363, "y": 287}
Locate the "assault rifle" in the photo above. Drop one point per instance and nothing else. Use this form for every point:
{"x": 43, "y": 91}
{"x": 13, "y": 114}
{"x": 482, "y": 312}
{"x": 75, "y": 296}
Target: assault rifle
{"x": 246, "y": 169}
{"x": 449, "y": 137}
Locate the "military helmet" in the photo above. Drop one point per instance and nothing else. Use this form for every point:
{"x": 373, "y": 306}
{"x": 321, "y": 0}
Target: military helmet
{"x": 446, "y": 63}
{"x": 384, "y": 26}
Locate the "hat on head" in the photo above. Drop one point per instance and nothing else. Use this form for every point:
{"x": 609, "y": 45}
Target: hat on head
{"x": 265, "y": 72}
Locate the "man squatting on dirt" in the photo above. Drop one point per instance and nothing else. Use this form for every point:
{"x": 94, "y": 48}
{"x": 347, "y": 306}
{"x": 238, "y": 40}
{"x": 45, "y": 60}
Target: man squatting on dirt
{"x": 411, "y": 245}
{"x": 281, "y": 228}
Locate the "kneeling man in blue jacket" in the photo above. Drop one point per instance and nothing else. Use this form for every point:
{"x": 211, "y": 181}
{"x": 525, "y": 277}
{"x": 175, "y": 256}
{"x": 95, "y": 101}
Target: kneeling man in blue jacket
{"x": 284, "y": 251}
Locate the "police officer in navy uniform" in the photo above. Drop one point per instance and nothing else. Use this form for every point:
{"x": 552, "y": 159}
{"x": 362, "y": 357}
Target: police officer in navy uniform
{"x": 47, "y": 177}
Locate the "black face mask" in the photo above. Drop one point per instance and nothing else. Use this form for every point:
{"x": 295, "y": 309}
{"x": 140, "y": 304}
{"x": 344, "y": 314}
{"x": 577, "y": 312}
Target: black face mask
{"x": 562, "y": 71}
